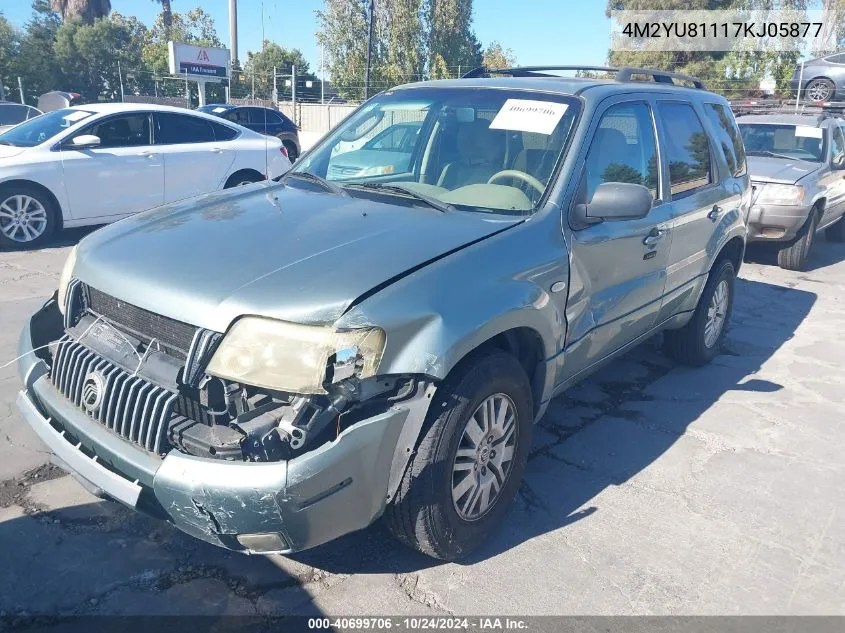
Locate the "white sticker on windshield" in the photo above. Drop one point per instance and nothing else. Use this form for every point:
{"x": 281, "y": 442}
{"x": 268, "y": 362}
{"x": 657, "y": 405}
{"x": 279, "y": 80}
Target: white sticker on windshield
{"x": 219, "y": 110}
{"x": 524, "y": 115}
{"x": 76, "y": 115}
{"x": 806, "y": 130}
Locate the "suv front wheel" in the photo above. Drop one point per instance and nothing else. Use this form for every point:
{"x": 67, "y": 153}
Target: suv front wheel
{"x": 700, "y": 340}
{"x": 470, "y": 460}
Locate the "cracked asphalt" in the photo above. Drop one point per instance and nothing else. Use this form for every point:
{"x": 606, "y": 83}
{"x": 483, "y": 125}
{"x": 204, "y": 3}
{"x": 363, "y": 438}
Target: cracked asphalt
{"x": 651, "y": 489}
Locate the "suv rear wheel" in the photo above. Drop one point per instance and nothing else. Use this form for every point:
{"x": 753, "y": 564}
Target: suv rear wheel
{"x": 794, "y": 255}
{"x": 470, "y": 460}
{"x": 700, "y": 340}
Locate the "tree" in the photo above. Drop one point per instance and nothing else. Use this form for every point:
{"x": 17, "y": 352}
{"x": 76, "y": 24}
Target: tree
{"x": 343, "y": 34}
{"x": 270, "y": 57}
{"x": 9, "y": 53}
{"x": 452, "y": 44}
{"x": 166, "y": 13}
{"x": 85, "y": 10}
{"x": 496, "y": 56}
{"x": 88, "y": 54}
{"x": 40, "y": 72}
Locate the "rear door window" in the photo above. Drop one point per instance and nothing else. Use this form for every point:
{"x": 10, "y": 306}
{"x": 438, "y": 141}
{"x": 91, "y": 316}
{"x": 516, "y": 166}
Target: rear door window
{"x": 177, "y": 129}
{"x": 687, "y": 149}
{"x": 728, "y": 137}
{"x": 623, "y": 149}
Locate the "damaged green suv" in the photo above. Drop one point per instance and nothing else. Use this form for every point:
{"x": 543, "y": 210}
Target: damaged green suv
{"x": 271, "y": 367}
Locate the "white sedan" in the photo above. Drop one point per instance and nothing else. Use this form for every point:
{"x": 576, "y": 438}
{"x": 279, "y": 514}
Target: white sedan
{"x": 95, "y": 164}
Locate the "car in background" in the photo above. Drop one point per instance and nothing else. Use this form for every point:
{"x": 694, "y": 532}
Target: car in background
{"x": 262, "y": 120}
{"x": 13, "y": 113}
{"x": 96, "y": 164}
{"x": 388, "y": 152}
{"x": 823, "y": 79}
{"x": 797, "y": 165}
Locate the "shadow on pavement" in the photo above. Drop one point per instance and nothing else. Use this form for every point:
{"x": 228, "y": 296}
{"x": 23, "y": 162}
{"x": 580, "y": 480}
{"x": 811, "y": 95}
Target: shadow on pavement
{"x": 63, "y": 239}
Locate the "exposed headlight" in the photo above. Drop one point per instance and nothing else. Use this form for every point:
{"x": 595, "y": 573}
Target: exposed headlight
{"x": 291, "y": 357}
{"x": 780, "y": 194}
{"x": 65, "y": 277}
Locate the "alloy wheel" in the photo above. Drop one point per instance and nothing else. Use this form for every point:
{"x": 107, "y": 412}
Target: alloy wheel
{"x": 716, "y": 314}
{"x": 818, "y": 91}
{"x": 22, "y": 218}
{"x": 484, "y": 457}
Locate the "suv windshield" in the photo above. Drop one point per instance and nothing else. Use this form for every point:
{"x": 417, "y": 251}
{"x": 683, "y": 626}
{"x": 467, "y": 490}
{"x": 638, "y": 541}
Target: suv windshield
{"x": 467, "y": 147}
{"x": 42, "y": 128}
{"x": 803, "y": 142}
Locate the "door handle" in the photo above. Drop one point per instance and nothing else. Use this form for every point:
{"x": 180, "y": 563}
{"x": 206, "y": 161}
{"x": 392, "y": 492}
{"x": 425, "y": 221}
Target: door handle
{"x": 715, "y": 212}
{"x": 149, "y": 154}
{"x": 217, "y": 150}
{"x": 654, "y": 237}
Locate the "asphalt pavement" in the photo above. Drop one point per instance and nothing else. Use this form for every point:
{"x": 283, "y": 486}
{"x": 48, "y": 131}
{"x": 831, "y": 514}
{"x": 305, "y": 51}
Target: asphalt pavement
{"x": 651, "y": 489}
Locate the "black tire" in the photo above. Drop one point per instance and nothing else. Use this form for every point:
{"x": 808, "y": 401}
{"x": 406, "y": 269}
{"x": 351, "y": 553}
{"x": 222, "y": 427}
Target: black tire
{"x": 793, "y": 256}
{"x": 836, "y": 231}
{"x": 423, "y": 515}
{"x": 18, "y": 237}
{"x": 820, "y": 89}
{"x": 689, "y": 344}
{"x": 243, "y": 178}
{"x": 293, "y": 154}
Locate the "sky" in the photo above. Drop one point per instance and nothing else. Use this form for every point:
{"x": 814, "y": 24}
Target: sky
{"x": 556, "y": 32}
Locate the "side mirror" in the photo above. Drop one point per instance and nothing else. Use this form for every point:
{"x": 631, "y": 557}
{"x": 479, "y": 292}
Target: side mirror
{"x": 614, "y": 201}
{"x": 838, "y": 161}
{"x": 85, "y": 140}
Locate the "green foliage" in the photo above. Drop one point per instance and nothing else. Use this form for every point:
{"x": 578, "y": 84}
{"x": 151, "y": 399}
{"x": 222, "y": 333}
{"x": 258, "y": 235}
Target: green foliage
{"x": 412, "y": 40}
{"x": 270, "y": 57}
{"x": 497, "y": 56}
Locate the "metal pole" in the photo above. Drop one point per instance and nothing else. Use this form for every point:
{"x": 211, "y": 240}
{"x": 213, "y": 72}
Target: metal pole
{"x": 275, "y": 87}
{"x": 120, "y": 76}
{"x": 800, "y": 83}
{"x": 2, "y": 91}
{"x": 252, "y": 96}
{"x": 293, "y": 91}
{"x": 369, "y": 50}
{"x": 233, "y": 30}
{"x": 20, "y": 90}
{"x": 187, "y": 92}
{"x": 322, "y": 74}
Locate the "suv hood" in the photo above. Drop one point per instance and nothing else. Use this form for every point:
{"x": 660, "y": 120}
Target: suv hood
{"x": 780, "y": 170}
{"x": 271, "y": 250}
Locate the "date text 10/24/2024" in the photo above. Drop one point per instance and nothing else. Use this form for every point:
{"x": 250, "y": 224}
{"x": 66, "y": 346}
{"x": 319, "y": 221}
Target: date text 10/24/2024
{"x": 419, "y": 623}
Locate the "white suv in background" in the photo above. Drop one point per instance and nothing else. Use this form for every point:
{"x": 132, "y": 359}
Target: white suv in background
{"x": 96, "y": 164}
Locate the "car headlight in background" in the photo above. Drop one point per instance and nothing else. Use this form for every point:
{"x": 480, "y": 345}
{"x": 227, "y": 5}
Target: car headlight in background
{"x": 65, "y": 277}
{"x": 780, "y": 194}
{"x": 294, "y": 358}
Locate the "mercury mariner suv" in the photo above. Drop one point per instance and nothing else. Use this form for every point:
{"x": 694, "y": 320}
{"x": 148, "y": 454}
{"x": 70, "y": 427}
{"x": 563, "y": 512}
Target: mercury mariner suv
{"x": 270, "y": 367}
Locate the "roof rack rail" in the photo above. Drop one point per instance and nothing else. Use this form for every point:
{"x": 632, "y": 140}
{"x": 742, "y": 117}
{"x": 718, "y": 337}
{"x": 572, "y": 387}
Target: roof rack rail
{"x": 625, "y": 73}
{"x": 823, "y": 109}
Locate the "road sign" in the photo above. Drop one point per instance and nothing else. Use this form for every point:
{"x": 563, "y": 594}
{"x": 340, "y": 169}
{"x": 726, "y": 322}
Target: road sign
{"x": 198, "y": 62}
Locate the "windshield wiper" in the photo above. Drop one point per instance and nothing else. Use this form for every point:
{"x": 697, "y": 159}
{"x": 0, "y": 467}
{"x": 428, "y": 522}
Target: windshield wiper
{"x": 407, "y": 191}
{"x": 325, "y": 184}
{"x": 765, "y": 152}
{"x": 7, "y": 143}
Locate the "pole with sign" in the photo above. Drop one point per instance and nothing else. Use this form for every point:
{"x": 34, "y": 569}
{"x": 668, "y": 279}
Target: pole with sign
{"x": 202, "y": 64}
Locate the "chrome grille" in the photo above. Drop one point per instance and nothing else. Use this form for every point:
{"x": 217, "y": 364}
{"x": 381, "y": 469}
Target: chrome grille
{"x": 131, "y": 406}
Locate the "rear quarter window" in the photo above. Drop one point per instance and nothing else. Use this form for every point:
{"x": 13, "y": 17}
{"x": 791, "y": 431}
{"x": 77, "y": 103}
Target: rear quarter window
{"x": 728, "y": 137}
{"x": 687, "y": 149}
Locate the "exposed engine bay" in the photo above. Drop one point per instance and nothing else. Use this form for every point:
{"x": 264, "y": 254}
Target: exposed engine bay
{"x": 124, "y": 347}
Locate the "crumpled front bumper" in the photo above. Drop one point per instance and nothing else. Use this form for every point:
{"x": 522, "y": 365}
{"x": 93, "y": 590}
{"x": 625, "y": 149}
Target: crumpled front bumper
{"x": 776, "y": 222}
{"x": 332, "y": 490}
